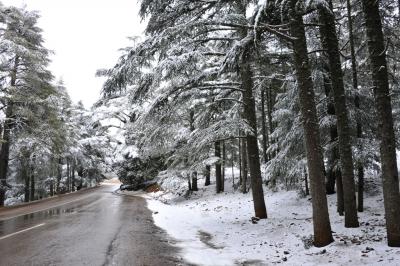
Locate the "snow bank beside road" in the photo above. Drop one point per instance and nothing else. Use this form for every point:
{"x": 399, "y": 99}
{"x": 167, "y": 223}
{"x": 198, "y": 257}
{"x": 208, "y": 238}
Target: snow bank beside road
{"x": 217, "y": 230}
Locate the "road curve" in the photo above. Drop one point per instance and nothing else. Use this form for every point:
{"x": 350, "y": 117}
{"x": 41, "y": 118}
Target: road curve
{"x": 93, "y": 228}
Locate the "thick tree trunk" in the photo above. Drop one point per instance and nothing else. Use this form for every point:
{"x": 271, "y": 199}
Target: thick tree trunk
{"x": 249, "y": 112}
{"x": 218, "y": 170}
{"x": 360, "y": 189}
{"x": 376, "y": 47}
{"x": 264, "y": 127}
{"x": 360, "y": 168}
{"x": 330, "y": 43}
{"x": 333, "y": 157}
{"x": 339, "y": 194}
{"x": 207, "y": 175}
{"x": 244, "y": 175}
{"x": 322, "y": 227}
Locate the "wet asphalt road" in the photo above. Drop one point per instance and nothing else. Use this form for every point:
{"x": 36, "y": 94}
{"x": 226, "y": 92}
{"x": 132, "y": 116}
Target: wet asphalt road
{"x": 99, "y": 228}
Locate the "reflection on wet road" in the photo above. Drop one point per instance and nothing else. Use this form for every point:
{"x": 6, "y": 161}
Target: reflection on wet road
{"x": 99, "y": 229}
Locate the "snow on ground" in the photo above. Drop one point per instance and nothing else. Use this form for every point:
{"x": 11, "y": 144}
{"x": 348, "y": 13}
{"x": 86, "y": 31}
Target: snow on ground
{"x": 217, "y": 230}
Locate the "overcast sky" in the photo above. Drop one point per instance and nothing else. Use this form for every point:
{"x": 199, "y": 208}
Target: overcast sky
{"x": 85, "y": 36}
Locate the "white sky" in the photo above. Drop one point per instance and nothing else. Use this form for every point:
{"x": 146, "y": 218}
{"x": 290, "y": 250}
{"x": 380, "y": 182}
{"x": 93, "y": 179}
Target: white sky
{"x": 85, "y": 36}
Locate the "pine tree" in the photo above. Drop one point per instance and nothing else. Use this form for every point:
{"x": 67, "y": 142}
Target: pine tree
{"x": 379, "y": 70}
{"x": 322, "y": 228}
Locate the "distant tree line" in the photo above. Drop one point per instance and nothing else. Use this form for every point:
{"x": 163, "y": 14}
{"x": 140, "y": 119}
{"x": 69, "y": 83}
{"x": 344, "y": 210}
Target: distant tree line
{"x": 48, "y": 144}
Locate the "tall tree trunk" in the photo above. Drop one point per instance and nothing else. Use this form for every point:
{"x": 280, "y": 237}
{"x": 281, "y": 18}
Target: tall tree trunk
{"x": 218, "y": 170}
{"x": 330, "y": 44}
{"x": 333, "y": 157}
{"x": 243, "y": 156}
{"x": 6, "y": 142}
{"x": 360, "y": 168}
{"x": 322, "y": 226}
{"x": 270, "y": 122}
{"x": 264, "y": 127}
{"x": 249, "y": 112}
{"x": 376, "y": 47}
{"x": 207, "y": 175}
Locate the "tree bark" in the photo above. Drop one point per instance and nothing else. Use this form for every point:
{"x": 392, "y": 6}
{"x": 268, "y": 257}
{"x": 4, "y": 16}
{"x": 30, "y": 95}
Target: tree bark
{"x": 264, "y": 127}
{"x": 59, "y": 175}
{"x": 32, "y": 179}
{"x": 322, "y": 227}
{"x": 194, "y": 181}
{"x": 68, "y": 176}
{"x": 249, "y": 112}
{"x": 360, "y": 168}
{"x": 306, "y": 182}
{"x": 6, "y": 143}
{"x": 330, "y": 44}
{"x": 73, "y": 176}
{"x": 244, "y": 173}
{"x": 360, "y": 189}
{"x": 240, "y": 160}
{"x": 233, "y": 164}
{"x": 218, "y": 170}
{"x": 377, "y": 52}
{"x": 207, "y": 175}
{"x": 333, "y": 157}
{"x": 223, "y": 166}
{"x": 192, "y": 128}
{"x": 189, "y": 182}
{"x": 25, "y": 175}
{"x": 270, "y": 122}
{"x": 339, "y": 194}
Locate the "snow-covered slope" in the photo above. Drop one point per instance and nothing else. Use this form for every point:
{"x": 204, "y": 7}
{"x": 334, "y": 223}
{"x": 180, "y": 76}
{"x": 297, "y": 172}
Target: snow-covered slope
{"x": 217, "y": 230}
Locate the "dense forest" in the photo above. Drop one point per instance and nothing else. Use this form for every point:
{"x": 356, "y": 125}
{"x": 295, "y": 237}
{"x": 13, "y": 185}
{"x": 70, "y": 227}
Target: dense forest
{"x": 295, "y": 94}
{"x": 48, "y": 144}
